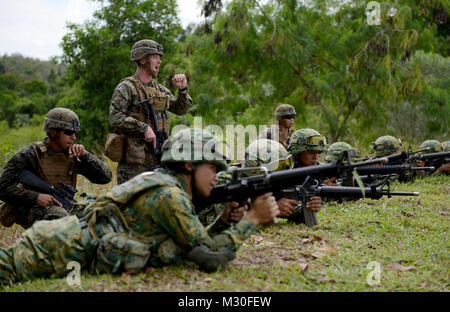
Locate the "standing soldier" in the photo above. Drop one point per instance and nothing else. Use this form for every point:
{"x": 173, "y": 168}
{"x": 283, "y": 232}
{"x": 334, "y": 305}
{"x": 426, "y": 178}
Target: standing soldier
{"x": 55, "y": 159}
{"x": 285, "y": 115}
{"x": 132, "y": 121}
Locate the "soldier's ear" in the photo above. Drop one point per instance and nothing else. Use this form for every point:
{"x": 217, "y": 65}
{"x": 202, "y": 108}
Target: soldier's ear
{"x": 188, "y": 166}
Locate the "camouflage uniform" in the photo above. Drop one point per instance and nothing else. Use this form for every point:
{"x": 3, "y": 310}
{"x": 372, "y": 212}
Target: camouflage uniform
{"x": 446, "y": 146}
{"x": 129, "y": 119}
{"x": 274, "y": 132}
{"x": 20, "y": 204}
{"x": 148, "y": 220}
{"x": 303, "y": 140}
{"x": 433, "y": 145}
{"x": 299, "y": 141}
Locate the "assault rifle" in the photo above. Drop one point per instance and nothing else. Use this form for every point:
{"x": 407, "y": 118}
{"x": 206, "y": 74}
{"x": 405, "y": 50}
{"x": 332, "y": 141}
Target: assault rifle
{"x": 64, "y": 194}
{"x": 307, "y": 190}
{"x": 403, "y": 157}
{"x": 434, "y": 159}
{"x": 161, "y": 135}
{"x": 240, "y": 189}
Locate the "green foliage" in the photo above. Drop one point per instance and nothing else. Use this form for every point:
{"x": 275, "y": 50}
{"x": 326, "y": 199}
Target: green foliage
{"x": 98, "y": 54}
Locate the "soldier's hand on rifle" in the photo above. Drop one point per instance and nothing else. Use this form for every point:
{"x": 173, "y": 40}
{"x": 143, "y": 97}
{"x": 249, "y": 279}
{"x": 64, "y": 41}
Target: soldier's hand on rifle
{"x": 443, "y": 168}
{"x": 330, "y": 182}
{"x": 76, "y": 150}
{"x": 179, "y": 81}
{"x": 314, "y": 204}
{"x": 420, "y": 163}
{"x": 149, "y": 136}
{"x": 264, "y": 209}
{"x": 45, "y": 200}
{"x": 237, "y": 212}
{"x": 286, "y": 206}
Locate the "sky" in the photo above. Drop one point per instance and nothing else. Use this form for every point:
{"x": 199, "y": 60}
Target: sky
{"x": 35, "y": 28}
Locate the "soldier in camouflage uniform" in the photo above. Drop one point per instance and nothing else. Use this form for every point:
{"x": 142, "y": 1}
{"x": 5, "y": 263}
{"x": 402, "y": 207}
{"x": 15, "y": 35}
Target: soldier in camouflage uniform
{"x": 274, "y": 157}
{"x": 284, "y": 115}
{"x": 149, "y": 220}
{"x": 129, "y": 119}
{"x": 446, "y": 146}
{"x": 305, "y": 145}
{"x": 434, "y": 147}
{"x": 54, "y": 159}
{"x": 386, "y": 145}
{"x": 334, "y": 153}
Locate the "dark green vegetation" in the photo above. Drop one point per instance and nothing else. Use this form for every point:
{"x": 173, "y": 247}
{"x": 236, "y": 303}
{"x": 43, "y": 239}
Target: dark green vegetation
{"x": 408, "y": 237}
{"x": 349, "y": 80}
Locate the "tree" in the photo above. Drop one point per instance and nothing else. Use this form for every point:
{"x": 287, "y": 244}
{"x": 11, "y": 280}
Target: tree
{"x": 98, "y": 53}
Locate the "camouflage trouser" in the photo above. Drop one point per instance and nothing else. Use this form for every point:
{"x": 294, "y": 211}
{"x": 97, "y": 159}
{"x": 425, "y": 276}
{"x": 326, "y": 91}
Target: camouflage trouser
{"x": 27, "y": 216}
{"x": 45, "y": 249}
{"x": 37, "y": 213}
{"x": 126, "y": 172}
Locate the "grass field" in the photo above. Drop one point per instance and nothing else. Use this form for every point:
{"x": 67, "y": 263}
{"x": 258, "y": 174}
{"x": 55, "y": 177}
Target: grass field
{"x": 406, "y": 238}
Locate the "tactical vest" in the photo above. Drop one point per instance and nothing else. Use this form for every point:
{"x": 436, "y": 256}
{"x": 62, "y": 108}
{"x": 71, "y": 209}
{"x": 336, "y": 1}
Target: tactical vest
{"x": 160, "y": 104}
{"x": 135, "y": 151}
{"x": 56, "y": 167}
{"x": 106, "y": 210}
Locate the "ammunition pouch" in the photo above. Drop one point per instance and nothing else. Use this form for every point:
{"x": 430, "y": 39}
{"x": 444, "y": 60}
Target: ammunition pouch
{"x": 114, "y": 147}
{"x": 135, "y": 151}
{"x": 118, "y": 252}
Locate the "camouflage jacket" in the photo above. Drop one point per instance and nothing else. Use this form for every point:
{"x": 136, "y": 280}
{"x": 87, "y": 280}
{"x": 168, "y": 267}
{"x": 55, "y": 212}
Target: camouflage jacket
{"x": 125, "y": 99}
{"x": 89, "y": 166}
{"x": 273, "y": 132}
{"x": 164, "y": 217}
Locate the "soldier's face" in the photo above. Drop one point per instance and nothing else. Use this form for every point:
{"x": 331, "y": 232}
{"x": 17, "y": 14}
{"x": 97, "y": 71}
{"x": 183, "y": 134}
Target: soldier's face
{"x": 287, "y": 122}
{"x": 309, "y": 158}
{"x": 66, "y": 139}
{"x": 152, "y": 64}
{"x": 205, "y": 178}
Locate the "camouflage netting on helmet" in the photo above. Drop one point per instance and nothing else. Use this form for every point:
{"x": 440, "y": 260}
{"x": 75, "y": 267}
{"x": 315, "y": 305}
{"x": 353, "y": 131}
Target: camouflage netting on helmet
{"x": 385, "y": 145}
{"x": 300, "y": 141}
{"x": 335, "y": 151}
{"x": 263, "y": 151}
{"x": 433, "y": 145}
{"x": 195, "y": 145}
{"x": 61, "y": 118}
{"x": 284, "y": 110}
{"x": 144, "y": 47}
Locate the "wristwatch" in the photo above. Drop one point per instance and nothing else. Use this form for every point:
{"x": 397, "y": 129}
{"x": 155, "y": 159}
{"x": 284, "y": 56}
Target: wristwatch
{"x": 184, "y": 89}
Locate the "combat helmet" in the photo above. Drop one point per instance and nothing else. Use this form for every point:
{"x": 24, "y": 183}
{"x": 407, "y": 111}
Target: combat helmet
{"x": 303, "y": 140}
{"x": 144, "y": 47}
{"x": 268, "y": 153}
{"x": 335, "y": 151}
{"x": 195, "y": 145}
{"x": 446, "y": 146}
{"x": 433, "y": 145}
{"x": 284, "y": 110}
{"x": 385, "y": 145}
{"x": 61, "y": 118}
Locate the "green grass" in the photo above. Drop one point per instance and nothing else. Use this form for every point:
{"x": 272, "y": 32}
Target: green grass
{"x": 333, "y": 256}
